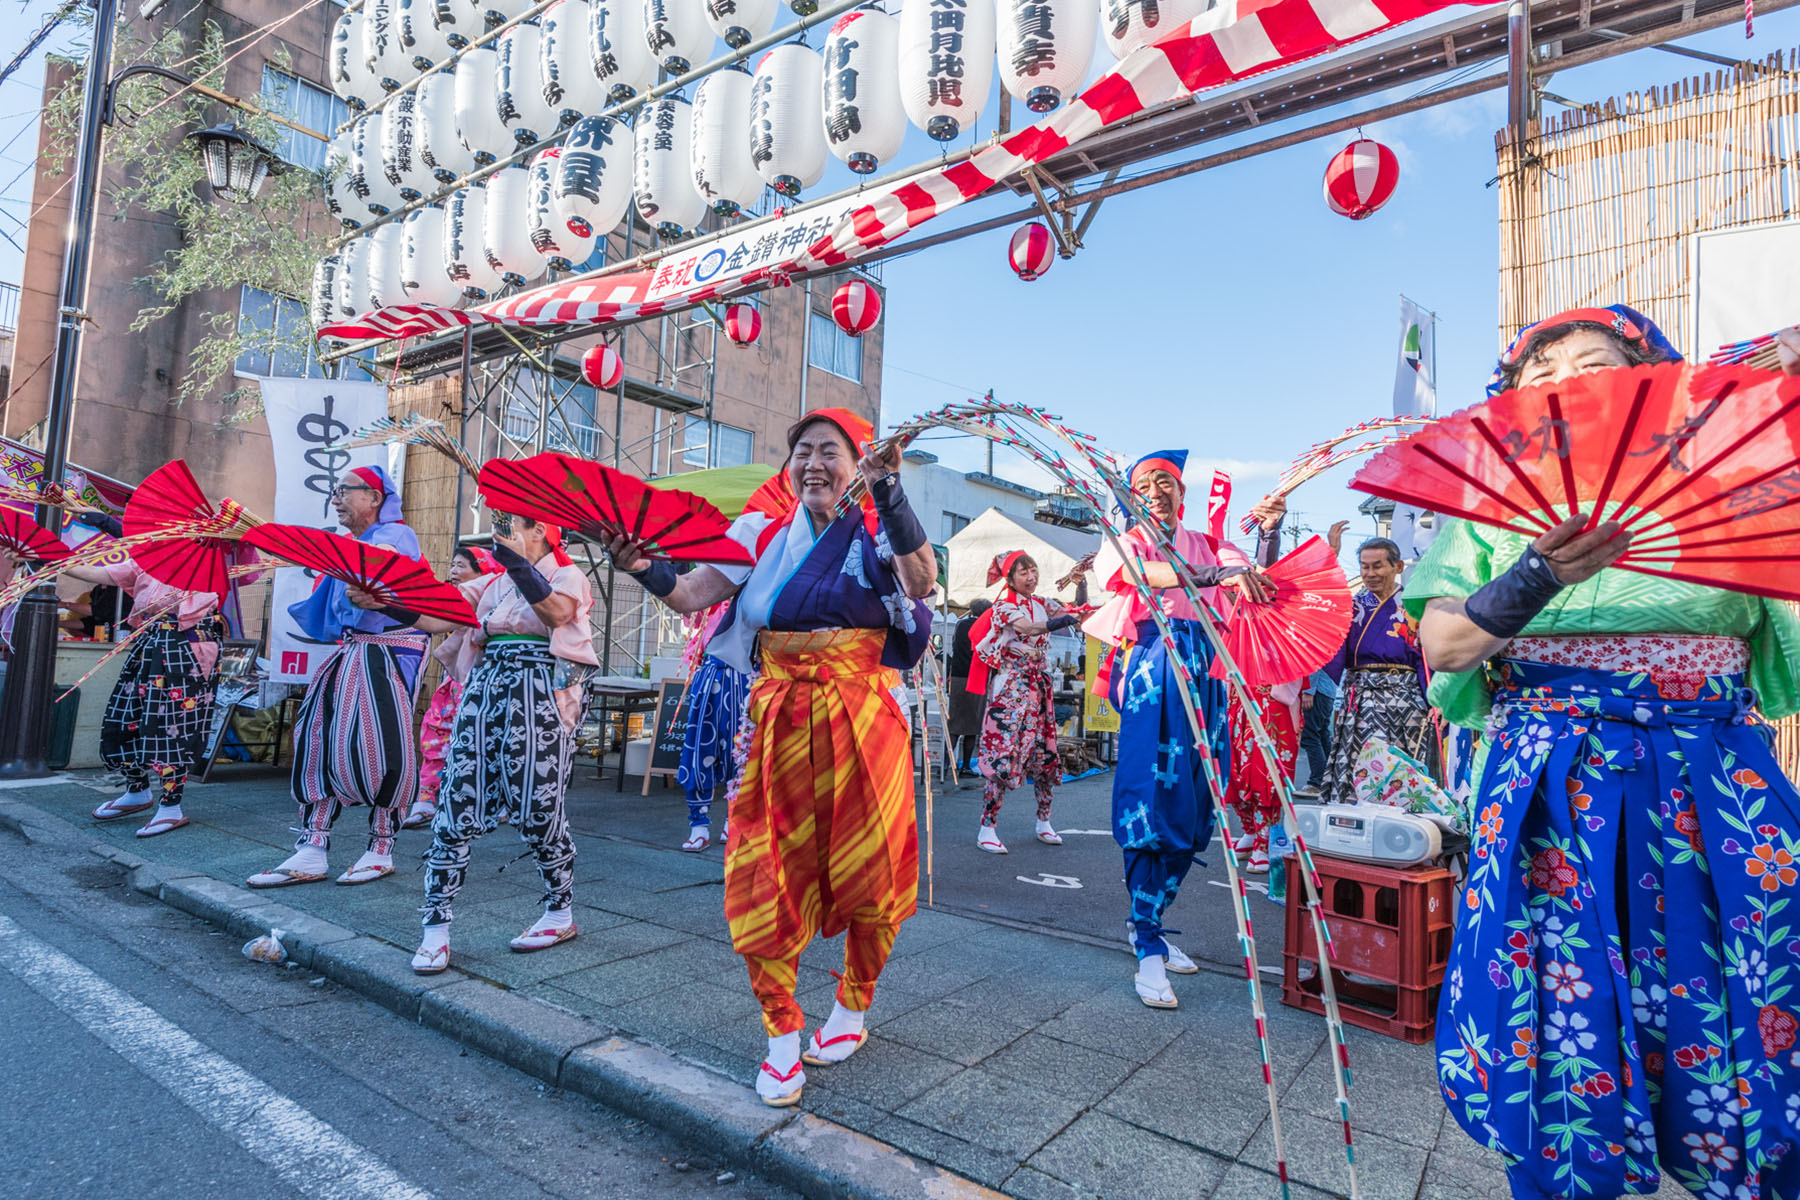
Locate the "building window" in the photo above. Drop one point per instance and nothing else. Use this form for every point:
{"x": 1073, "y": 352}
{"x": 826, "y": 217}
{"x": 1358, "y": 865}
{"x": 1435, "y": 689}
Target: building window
{"x": 277, "y": 337}
{"x": 304, "y": 104}
{"x": 954, "y": 523}
{"x": 831, "y": 349}
{"x": 578, "y": 409}
{"x": 736, "y": 447}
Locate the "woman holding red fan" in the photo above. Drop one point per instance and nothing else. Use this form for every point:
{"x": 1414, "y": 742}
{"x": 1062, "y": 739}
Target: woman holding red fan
{"x": 162, "y": 704}
{"x": 1018, "y": 730}
{"x": 353, "y": 738}
{"x": 514, "y": 738}
{"x": 1623, "y": 994}
{"x": 1162, "y": 803}
{"x": 455, "y": 654}
{"x": 823, "y": 837}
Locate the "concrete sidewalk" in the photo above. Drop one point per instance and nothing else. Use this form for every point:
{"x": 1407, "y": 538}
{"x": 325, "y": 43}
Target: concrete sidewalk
{"x": 1009, "y": 1047}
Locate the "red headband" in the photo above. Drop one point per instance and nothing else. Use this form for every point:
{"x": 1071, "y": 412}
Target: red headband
{"x": 370, "y": 478}
{"x": 1156, "y": 464}
{"x": 1619, "y": 323}
{"x": 1002, "y": 566}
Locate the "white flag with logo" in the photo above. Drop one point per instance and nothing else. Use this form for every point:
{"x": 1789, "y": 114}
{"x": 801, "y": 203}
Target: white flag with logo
{"x": 1415, "y": 395}
{"x": 305, "y": 416}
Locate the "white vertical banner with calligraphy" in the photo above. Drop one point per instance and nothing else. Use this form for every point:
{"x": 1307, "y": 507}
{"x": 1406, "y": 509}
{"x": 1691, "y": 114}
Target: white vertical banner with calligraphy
{"x": 305, "y": 416}
{"x": 1415, "y": 395}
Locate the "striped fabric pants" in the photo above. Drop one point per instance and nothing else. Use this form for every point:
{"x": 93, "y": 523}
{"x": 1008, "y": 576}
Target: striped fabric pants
{"x": 823, "y": 834}
{"x": 353, "y": 739}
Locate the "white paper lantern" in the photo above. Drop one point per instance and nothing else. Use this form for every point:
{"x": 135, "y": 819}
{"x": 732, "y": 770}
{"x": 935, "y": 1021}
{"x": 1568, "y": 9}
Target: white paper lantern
{"x": 477, "y": 116}
{"x": 722, "y": 171}
{"x": 400, "y": 147}
{"x": 421, "y": 37}
{"x": 422, "y": 275}
{"x": 560, "y": 248}
{"x": 368, "y": 180}
{"x": 571, "y": 88}
{"x": 340, "y": 196}
{"x": 520, "y": 100}
{"x": 677, "y": 33}
{"x": 740, "y": 22}
{"x": 499, "y": 12}
{"x": 322, "y": 310}
{"x": 662, "y": 178}
{"x": 946, "y": 63}
{"x": 787, "y": 119}
{"x": 440, "y": 148}
{"x": 506, "y": 227}
{"x": 864, "y": 122}
{"x": 459, "y": 22}
{"x": 385, "y": 247}
{"x": 1044, "y": 47}
{"x": 350, "y": 76}
{"x": 593, "y": 176}
{"x": 352, "y": 284}
{"x": 387, "y": 59}
{"x": 465, "y": 262}
{"x": 617, "y": 45}
{"x": 1129, "y": 24}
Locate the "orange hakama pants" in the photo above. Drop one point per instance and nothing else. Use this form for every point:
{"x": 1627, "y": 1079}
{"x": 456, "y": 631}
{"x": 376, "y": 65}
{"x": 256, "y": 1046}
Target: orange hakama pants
{"x": 823, "y": 833}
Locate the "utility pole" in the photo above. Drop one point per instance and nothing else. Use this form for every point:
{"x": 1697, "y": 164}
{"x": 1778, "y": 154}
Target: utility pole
{"x": 25, "y": 708}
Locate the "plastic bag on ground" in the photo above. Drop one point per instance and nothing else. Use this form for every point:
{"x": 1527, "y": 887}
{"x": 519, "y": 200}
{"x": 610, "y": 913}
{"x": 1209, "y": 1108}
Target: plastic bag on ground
{"x": 267, "y": 948}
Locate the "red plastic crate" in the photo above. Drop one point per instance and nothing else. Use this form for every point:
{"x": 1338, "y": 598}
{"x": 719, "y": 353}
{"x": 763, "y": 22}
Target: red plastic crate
{"x": 1392, "y": 929}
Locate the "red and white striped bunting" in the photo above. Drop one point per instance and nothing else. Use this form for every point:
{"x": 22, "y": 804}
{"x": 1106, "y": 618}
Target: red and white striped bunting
{"x": 1229, "y": 43}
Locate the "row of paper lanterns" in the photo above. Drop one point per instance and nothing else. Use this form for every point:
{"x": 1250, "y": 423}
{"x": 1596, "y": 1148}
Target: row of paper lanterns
{"x": 933, "y": 65}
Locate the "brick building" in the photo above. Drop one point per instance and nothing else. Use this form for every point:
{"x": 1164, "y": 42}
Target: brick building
{"x": 127, "y": 420}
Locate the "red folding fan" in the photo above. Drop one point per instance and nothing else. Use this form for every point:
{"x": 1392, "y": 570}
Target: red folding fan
{"x": 1699, "y": 464}
{"x": 399, "y": 581}
{"x": 202, "y": 542}
{"x": 1299, "y": 630}
{"x": 23, "y": 539}
{"x": 597, "y": 501}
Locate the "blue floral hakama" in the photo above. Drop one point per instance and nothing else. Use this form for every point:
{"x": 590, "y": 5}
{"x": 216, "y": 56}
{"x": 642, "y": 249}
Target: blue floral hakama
{"x": 1587, "y": 1029}
{"x": 715, "y": 704}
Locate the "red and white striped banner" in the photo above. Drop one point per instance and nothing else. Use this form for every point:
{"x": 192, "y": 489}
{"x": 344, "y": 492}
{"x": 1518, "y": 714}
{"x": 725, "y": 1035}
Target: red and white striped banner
{"x": 1229, "y": 43}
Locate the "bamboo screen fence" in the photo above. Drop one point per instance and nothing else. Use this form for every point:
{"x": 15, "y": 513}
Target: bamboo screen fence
{"x": 1599, "y": 206}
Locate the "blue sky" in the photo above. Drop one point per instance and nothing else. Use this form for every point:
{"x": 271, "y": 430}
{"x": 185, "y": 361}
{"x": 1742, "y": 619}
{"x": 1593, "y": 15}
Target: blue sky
{"x": 1230, "y": 312}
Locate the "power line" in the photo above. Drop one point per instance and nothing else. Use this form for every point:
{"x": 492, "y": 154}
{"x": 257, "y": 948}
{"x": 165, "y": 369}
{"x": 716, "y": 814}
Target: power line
{"x": 38, "y": 39}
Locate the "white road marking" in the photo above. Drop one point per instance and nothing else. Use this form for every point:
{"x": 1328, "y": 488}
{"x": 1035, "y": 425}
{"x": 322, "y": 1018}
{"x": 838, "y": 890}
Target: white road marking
{"x": 8, "y": 785}
{"x": 1089, "y": 832}
{"x": 306, "y": 1152}
{"x": 1047, "y": 880}
{"x": 1248, "y": 884}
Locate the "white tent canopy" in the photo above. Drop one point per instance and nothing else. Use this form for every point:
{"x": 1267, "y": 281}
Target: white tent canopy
{"x": 1055, "y": 548}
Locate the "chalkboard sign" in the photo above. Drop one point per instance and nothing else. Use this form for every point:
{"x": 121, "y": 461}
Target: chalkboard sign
{"x": 668, "y": 732}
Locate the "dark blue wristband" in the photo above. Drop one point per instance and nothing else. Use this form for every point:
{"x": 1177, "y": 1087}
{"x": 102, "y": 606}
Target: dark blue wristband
{"x": 904, "y": 532}
{"x": 105, "y": 522}
{"x": 1055, "y": 624}
{"x": 1505, "y": 606}
{"x": 659, "y": 578}
{"x": 533, "y": 586}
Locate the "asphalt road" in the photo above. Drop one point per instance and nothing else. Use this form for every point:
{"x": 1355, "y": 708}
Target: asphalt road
{"x": 146, "y": 1057}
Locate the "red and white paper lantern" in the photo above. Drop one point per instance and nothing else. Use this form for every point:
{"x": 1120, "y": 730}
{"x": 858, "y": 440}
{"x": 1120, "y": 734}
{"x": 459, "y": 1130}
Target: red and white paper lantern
{"x": 1032, "y": 251}
{"x": 743, "y": 324}
{"x": 856, "y": 307}
{"x": 1361, "y": 178}
{"x": 603, "y": 367}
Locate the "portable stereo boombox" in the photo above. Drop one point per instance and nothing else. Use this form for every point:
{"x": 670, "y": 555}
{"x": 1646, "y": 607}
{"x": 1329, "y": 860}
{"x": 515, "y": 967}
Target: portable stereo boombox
{"x": 1376, "y": 833}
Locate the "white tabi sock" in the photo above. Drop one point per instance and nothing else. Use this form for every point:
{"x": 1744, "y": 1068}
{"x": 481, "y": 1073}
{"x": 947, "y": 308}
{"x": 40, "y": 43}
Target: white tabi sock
{"x": 556, "y": 918}
{"x": 784, "y": 1051}
{"x": 1153, "y": 970}
{"x": 435, "y": 937}
{"x": 842, "y": 1021}
{"x": 306, "y": 860}
{"x": 371, "y": 859}
{"x": 167, "y": 812}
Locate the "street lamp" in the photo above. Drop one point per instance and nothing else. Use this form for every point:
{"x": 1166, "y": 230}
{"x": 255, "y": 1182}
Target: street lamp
{"x": 236, "y": 167}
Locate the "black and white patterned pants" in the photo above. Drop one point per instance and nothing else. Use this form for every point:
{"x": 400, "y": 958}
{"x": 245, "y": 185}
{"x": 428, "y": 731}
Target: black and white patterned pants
{"x": 508, "y": 759}
{"x": 161, "y": 708}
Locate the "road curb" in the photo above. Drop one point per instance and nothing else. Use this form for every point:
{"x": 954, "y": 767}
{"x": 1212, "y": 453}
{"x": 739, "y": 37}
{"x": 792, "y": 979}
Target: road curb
{"x": 715, "y": 1113}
